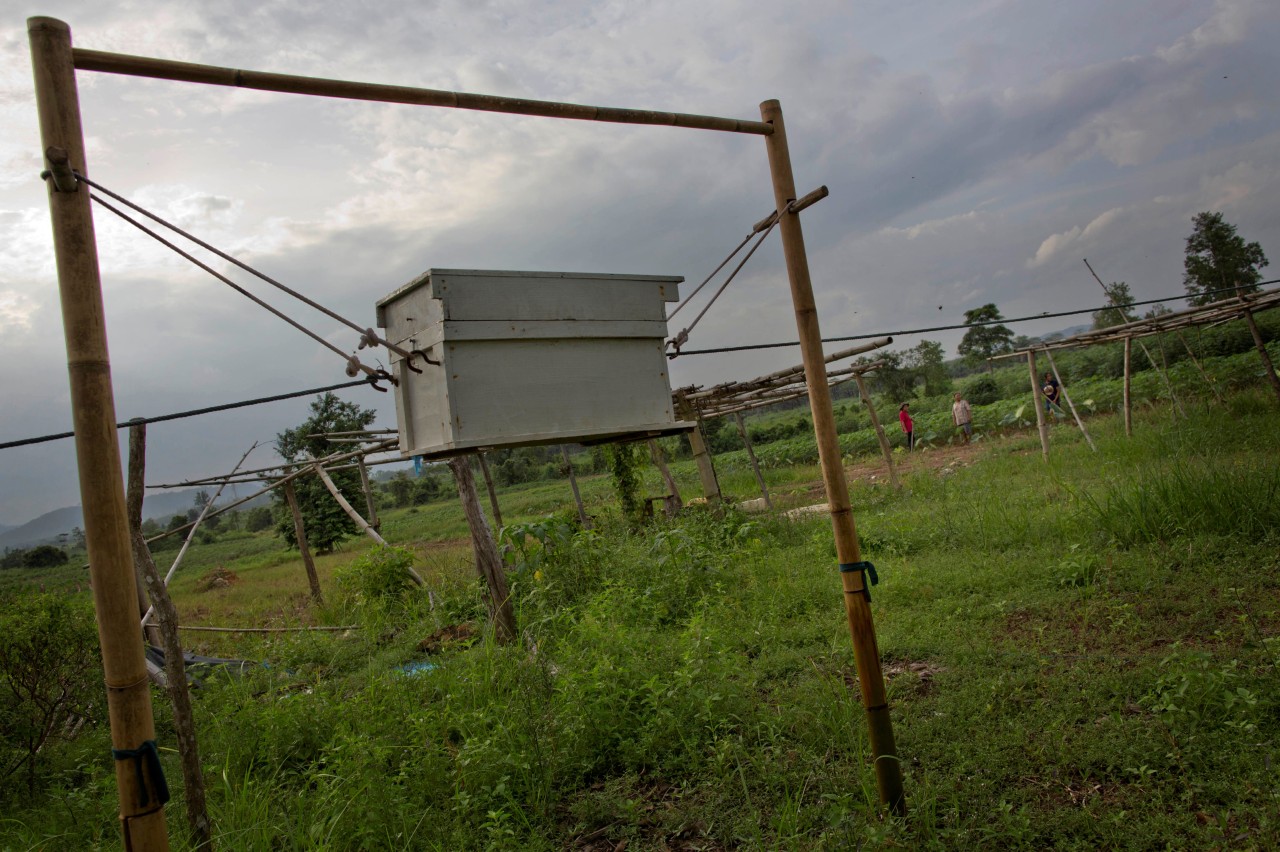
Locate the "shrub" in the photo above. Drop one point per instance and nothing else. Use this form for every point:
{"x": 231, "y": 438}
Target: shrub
{"x": 983, "y": 391}
{"x": 381, "y": 575}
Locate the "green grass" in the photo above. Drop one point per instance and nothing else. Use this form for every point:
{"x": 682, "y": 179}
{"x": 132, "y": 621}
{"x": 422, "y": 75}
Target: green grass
{"x": 1080, "y": 653}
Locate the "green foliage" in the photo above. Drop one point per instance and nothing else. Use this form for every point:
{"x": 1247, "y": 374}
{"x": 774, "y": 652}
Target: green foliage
{"x": 378, "y": 577}
{"x": 982, "y": 341}
{"x": 1217, "y": 257}
{"x": 49, "y": 677}
{"x": 625, "y": 462}
{"x": 1120, "y": 298}
{"x": 324, "y": 521}
{"x": 927, "y": 365}
{"x": 40, "y": 556}
{"x": 982, "y": 391}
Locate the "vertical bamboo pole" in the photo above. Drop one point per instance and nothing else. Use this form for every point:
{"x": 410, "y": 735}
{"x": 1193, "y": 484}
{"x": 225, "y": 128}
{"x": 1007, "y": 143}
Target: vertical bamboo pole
{"x": 1208, "y": 381}
{"x": 583, "y": 518}
{"x": 1262, "y": 352}
{"x": 706, "y": 466}
{"x": 150, "y": 631}
{"x": 1128, "y": 399}
{"x": 175, "y": 665}
{"x": 875, "y": 423}
{"x": 300, "y": 533}
{"x": 857, "y": 597}
{"x": 369, "y": 502}
{"x": 1037, "y": 398}
{"x": 751, "y": 454}
{"x": 488, "y": 561}
{"x": 97, "y": 452}
{"x": 673, "y": 503}
{"x": 1066, "y": 395}
{"x": 493, "y": 495}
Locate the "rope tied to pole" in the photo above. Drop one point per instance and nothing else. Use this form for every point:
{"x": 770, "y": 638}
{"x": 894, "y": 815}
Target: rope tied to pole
{"x": 146, "y": 754}
{"x": 868, "y": 572}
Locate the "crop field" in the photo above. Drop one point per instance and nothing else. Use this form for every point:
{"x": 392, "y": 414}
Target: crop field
{"x": 1081, "y": 653}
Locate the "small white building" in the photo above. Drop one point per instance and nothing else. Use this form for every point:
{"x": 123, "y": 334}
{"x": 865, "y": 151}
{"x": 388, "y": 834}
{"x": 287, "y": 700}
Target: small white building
{"x": 529, "y": 358}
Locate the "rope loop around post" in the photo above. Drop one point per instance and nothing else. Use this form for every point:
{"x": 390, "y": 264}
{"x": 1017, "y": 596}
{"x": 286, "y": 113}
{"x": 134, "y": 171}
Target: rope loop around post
{"x": 146, "y": 754}
{"x": 869, "y": 576}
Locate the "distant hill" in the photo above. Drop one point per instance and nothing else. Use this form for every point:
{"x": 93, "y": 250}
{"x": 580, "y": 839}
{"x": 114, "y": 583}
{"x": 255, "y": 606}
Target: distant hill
{"x": 46, "y": 528}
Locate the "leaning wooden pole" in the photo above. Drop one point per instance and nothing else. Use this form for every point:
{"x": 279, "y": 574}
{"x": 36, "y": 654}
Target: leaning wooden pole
{"x": 488, "y": 561}
{"x": 355, "y": 517}
{"x": 583, "y": 519}
{"x": 304, "y": 549}
{"x": 106, "y": 524}
{"x": 853, "y": 570}
{"x": 875, "y": 424}
{"x": 1037, "y": 398}
{"x": 369, "y": 502}
{"x": 751, "y": 455}
{"x": 493, "y": 494}
{"x": 1128, "y": 378}
{"x": 673, "y": 503}
{"x": 701, "y": 455}
{"x": 175, "y": 665}
{"x": 1067, "y": 396}
{"x": 1194, "y": 360}
{"x": 1262, "y": 352}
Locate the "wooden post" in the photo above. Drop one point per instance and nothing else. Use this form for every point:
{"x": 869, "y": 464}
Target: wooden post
{"x": 1037, "y": 397}
{"x": 1208, "y": 381}
{"x": 1128, "y": 399}
{"x": 151, "y": 632}
{"x": 369, "y": 502}
{"x": 493, "y": 495}
{"x": 300, "y": 534}
{"x": 1262, "y": 352}
{"x": 583, "y": 518}
{"x": 488, "y": 561}
{"x": 706, "y": 467}
{"x": 751, "y": 454}
{"x": 93, "y": 413}
{"x": 355, "y": 516}
{"x": 673, "y": 504}
{"x": 175, "y": 665}
{"x": 857, "y": 597}
{"x": 1062, "y": 387}
{"x": 875, "y": 423}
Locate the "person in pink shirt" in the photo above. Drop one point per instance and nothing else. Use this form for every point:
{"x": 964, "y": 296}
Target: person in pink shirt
{"x": 904, "y": 417}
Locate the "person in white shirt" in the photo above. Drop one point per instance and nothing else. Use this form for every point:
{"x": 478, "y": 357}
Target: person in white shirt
{"x": 962, "y": 416}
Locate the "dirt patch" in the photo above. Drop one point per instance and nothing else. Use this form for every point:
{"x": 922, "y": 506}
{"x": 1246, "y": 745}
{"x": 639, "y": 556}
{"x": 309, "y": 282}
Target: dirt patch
{"x": 948, "y": 457}
{"x": 218, "y": 578}
{"x": 447, "y": 636}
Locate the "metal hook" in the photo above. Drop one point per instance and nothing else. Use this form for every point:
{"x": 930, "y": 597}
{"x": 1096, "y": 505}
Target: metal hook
{"x": 426, "y": 357}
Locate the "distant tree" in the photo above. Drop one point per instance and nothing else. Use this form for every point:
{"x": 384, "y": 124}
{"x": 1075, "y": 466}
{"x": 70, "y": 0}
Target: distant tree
{"x": 1121, "y": 299}
{"x": 926, "y": 361}
{"x": 258, "y": 519}
{"x": 1217, "y": 257}
{"x": 980, "y": 342}
{"x": 176, "y": 521}
{"x": 1157, "y": 310}
{"x": 323, "y": 519}
{"x": 401, "y": 488}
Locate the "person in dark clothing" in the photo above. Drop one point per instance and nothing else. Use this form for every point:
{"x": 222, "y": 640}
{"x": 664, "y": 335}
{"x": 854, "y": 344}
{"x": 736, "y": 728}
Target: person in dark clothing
{"x": 1051, "y": 391}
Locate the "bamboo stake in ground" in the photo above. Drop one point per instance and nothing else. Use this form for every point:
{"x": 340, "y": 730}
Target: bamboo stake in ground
{"x": 856, "y": 596}
{"x": 1067, "y": 396}
{"x": 583, "y": 519}
{"x": 673, "y": 503}
{"x": 751, "y": 454}
{"x": 701, "y": 455}
{"x": 875, "y": 423}
{"x": 493, "y": 494}
{"x": 488, "y": 561}
{"x": 300, "y": 535}
{"x": 359, "y": 521}
{"x": 93, "y": 413}
{"x": 1037, "y": 395}
{"x": 1128, "y": 400}
{"x": 369, "y": 502}
{"x": 175, "y": 666}
{"x": 1262, "y": 352}
{"x": 1208, "y": 381}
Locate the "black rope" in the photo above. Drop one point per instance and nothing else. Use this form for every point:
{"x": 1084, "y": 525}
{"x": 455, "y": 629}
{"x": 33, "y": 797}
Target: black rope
{"x": 197, "y": 412}
{"x": 1046, "y": 315}
{"x": 146, "y": 755}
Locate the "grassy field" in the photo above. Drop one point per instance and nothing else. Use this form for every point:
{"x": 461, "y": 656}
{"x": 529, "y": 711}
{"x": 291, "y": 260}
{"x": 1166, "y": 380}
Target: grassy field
{"x": 1081, "y": 654}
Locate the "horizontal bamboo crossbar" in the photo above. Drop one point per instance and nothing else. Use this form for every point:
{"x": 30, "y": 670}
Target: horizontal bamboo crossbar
{"x": 264, "y": 629}
{"x": 188, "y": 72}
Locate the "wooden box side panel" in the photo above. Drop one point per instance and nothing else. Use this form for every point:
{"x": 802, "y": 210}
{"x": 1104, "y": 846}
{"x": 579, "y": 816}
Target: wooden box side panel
{"x": 512, "y": 296}
{"x": 422, "y": 407}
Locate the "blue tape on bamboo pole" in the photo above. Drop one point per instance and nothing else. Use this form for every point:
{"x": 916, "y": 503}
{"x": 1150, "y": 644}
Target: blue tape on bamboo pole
{"x": 146, "y": 753}
{"x": 869, "y": 576}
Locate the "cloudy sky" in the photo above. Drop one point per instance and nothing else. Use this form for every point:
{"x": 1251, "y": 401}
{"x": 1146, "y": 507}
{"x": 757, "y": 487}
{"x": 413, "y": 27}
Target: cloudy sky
{"x": 975, "y": 153}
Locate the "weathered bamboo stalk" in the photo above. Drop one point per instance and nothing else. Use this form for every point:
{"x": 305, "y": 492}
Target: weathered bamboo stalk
{"x": 320, "y": 628}
{"x": 1067, "y": 395}
{"x": 751, "y": 454}
{"x": 672, "y": 504}
{"x": 880, "y": 435}
{"x": 493, "y": 494}
{"x": 488, "y": 561}
{"x": 370, "y": 503}
{"x": 856, "y": 596}
{"x": 583, "y": 518}
{"x": 1128, "y": 399}
{"x": 106, "y": 524}
{"x": 300, "y": 536}
{"x": 1263, "y": 355}
{"x": 701, "y": 455}
{"x": 175, "y": 667}
{"x": 357, "y": 520}
{"x": 1037, "y": 397}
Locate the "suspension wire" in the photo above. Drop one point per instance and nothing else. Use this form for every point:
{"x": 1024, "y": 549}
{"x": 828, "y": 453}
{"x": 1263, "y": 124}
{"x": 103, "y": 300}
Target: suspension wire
{"x": 368, "y": 337}
{"x": 197, "y": 412}
{"x": 675, "y": 342}
{"x": 1045, "y": 315}
{"x": 722, "y": 265}
{"x": 354, "y": 364}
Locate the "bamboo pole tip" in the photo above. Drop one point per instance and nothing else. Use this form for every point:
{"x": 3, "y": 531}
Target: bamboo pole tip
{"x": 41, "y": 22}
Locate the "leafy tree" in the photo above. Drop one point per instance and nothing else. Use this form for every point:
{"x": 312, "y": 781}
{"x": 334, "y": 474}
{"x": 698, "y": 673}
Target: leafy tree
{"x": 1119, "y": 296}
{"x": 323, "y": 519}
{"x": 980, "y": 342}
{"x": 983, "y": 391}
{"x": 258, "y": 519}
{"x": 926, "y": 362}
{"x": 401, "y": 488}
{"x": 1218, "y": 257}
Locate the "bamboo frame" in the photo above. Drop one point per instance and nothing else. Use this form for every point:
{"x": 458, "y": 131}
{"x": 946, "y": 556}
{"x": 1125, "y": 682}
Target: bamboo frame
{"x": 300, "y": 536}
{"x": 1036, "y": 396}
{"x": 1067, "y": 396}
{"x": 672, "y": 503}
{"x": 881, "y": 438}
{"x": 751, "y": 454}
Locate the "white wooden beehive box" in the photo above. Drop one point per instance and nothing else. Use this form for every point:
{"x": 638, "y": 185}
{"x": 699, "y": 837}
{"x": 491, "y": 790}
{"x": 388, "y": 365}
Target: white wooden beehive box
{"x": 529, "y": 358}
